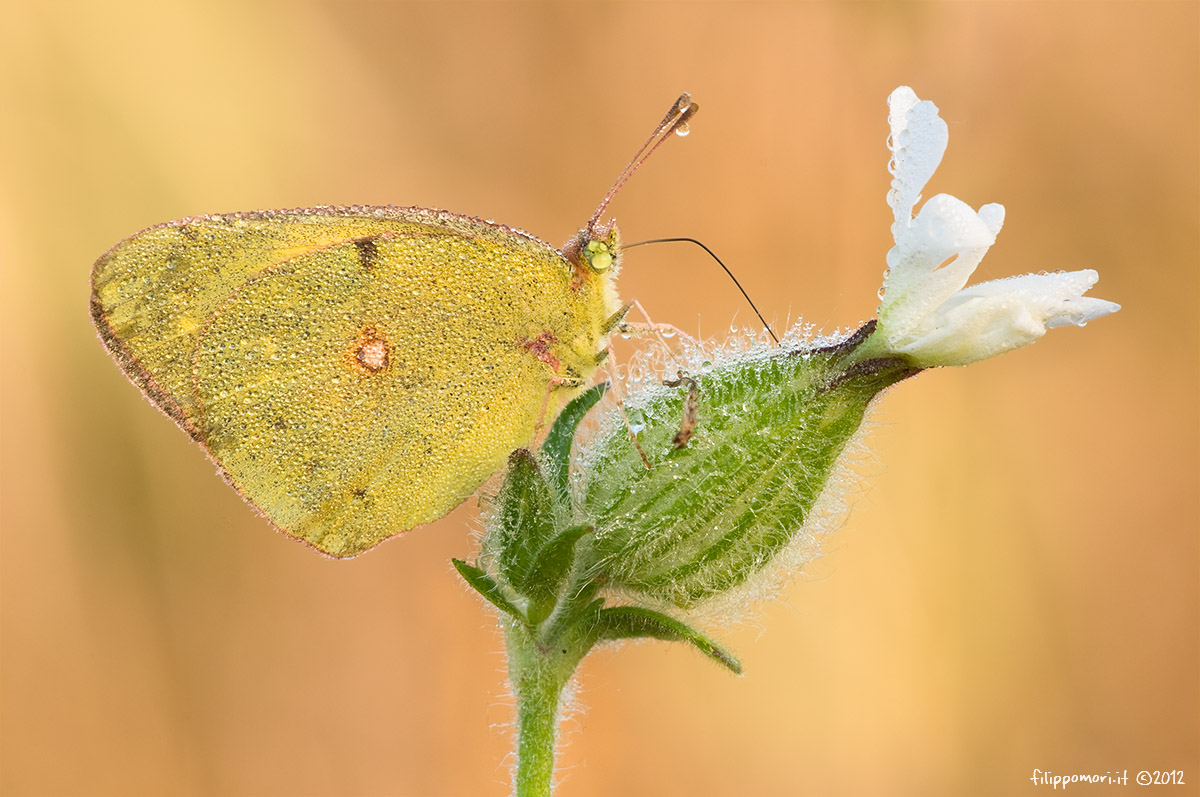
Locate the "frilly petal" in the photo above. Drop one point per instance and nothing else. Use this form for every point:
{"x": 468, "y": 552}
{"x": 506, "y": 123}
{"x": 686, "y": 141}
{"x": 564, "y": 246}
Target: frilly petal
{"x": 918, "y": 141}
{"x": 1057, "y": 298}
{"x": 997, "y": 316}
{"x": 934, "y": 258}
{"x": 992, "y": 215}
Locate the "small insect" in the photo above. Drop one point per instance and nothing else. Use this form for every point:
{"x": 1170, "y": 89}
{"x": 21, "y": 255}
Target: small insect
{"x": 691, "y": 408}
{"x": 358, "y": 371}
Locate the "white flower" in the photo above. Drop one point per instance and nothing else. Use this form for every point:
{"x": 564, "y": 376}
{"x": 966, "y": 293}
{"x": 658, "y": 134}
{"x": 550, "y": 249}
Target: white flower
{"x": 926, "y": 314}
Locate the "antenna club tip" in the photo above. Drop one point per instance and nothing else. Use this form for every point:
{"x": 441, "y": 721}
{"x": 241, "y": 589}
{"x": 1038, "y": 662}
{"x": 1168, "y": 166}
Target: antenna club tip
{"x": 685, "y": 105}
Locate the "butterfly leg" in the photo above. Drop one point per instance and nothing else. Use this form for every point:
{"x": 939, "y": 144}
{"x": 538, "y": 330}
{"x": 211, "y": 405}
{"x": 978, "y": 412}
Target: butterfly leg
{"x": 614, "y": 379}
{"x": 660, "y": 331}
{"x": 541, "y": 421}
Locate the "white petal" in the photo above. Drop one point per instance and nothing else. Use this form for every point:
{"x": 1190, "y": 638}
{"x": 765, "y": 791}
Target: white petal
{"x": 1080, "y": 310}
{"x": 933, "y": 260}
{"x": 1037, "y": 287}
{"x": 974, "y": 330}
{"x": 993, "y": 216}
{"x": 918, "y": 141}
{"x": 994, "y": 317}
{"x": 1057, "y": 298}
{"x": 899, "y": 103}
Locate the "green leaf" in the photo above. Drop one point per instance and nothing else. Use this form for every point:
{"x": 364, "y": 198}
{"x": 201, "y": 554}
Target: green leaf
{"x": 486, "y": 586}
{"x": 556, "y": 450}
{"x": 628, "y": 622}
{"x": 526, "y": 519}
{"x": 550, "y": 570}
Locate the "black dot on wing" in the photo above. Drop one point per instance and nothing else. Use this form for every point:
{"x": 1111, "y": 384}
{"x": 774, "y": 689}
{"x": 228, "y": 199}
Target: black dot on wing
{"x": 368, "y": 252}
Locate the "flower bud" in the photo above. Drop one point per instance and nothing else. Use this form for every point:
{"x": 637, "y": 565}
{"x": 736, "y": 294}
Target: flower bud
{"x": 680, "y": 525}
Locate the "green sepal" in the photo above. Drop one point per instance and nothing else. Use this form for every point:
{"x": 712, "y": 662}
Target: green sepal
{"x": 549, "y": 572}
{"x": 556, "y": 449}
{"x": 486, "y": 586}
{"x": 525, "y": 520}
{"x": 630, "y": 622}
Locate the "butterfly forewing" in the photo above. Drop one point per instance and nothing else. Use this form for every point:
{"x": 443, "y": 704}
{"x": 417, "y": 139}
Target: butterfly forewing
{"x": 152, "y": 293}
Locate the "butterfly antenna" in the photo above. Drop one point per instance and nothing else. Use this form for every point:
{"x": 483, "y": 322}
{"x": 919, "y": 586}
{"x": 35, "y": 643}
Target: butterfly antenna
{"x": 676, "y": 121}
{"x": 719, "y": 263}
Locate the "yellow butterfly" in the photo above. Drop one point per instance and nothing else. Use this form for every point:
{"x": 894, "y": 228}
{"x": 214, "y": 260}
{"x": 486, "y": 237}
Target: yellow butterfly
{"x": 355, "y": 372}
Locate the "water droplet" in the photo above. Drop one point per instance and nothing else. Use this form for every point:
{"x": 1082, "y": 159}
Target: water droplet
{"x": 682, "y": 129}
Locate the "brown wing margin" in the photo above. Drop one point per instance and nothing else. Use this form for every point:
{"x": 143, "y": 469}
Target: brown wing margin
{"x": 133, "y": 368}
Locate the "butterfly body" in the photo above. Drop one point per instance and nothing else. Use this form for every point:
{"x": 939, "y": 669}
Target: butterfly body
{"x": 354, "y": 372}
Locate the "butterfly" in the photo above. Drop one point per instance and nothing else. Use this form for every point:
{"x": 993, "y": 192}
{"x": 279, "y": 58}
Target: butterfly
{"x": 358, "y": 371}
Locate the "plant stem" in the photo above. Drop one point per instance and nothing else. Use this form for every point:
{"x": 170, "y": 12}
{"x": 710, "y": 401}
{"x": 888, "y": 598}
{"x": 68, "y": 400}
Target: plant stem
{"x": 538, "y": 674}
{"x": 537, "y": 721}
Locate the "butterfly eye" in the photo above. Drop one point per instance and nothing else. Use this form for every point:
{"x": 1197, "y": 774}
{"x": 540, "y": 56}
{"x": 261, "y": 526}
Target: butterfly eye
{"x": 598, "y": 255}
{"x": 601, "y": 253}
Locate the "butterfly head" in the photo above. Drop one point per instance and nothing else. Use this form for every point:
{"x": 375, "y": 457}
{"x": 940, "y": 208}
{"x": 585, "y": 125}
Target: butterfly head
{"x": 595, "y": 250}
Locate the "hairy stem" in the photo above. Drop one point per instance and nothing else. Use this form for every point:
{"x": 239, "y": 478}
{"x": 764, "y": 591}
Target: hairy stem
{"x": 539, "y": 673}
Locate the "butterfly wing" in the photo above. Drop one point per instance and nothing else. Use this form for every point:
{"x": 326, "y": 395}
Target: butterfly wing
{"x": 152, "y": 293}
{"x": 355, "y": 372}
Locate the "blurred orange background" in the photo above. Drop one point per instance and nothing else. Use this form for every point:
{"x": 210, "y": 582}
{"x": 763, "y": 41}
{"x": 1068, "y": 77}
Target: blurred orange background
{"x": 1016, "y": 588}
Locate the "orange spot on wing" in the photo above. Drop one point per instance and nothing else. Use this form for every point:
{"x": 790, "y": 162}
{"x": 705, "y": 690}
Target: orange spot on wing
{"x": 370, "y": 353}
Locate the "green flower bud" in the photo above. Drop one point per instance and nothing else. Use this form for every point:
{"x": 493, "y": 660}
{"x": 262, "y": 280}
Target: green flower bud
{"x": 766, "y": 433}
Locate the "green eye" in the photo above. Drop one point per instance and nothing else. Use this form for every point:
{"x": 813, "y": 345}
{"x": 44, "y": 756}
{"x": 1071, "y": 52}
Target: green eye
{"x": 601, "y": 255}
